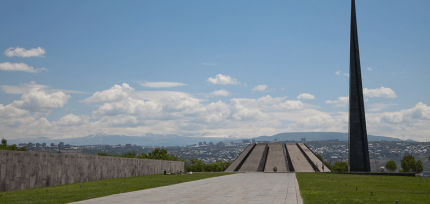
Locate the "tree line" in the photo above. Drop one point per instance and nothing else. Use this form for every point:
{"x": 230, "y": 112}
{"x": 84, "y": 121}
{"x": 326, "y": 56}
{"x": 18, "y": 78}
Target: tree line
{"x": 13, "y": 147}
{"x": 193, "y": 165}
{"x": 407, "y": 164}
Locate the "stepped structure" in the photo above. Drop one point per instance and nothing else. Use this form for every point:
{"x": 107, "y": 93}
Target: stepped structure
{"x": 357, "y": 134}
{"x": 291, "y": 157}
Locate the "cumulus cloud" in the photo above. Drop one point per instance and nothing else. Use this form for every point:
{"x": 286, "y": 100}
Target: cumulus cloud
{"x": 117, "y": 92}
{"x": 223, "y": 80}
{"x": 370, "y": 69}
{"x": 340, "y": 102}
{"x": 162, "y": 84}
{"x": 306, "y": 96}
{"x": 346, "y": 75}
{"x": 381, "y": 92}
{"x": 73, "y": 120}
{"x": 7, "y": 66}
{"x": 261, "y": 87}
{"x": 337, "y": 73}
{"x": 221, "y": 92}
{"x": 39, "y": 101}
{"x": 22, "y": 52}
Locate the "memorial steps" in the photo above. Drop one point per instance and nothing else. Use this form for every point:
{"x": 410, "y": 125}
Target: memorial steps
{"x": 288, "y": 157}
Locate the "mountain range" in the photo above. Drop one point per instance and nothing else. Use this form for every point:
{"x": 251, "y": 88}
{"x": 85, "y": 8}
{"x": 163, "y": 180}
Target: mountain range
{"x": 176, "y": 140}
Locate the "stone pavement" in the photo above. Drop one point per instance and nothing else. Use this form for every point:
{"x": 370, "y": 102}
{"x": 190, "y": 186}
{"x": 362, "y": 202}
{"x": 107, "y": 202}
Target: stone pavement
{"x": 235, "y": 188}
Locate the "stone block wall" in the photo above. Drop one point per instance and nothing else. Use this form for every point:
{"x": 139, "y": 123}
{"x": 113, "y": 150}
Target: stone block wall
{"x": 22, "y": 170}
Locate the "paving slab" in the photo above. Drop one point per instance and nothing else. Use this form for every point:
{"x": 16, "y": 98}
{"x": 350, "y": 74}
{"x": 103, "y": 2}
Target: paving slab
{"x": 276, "y": 157}
{"x": 314, "y": 159}
{"x": 300, "y": 163}
{"x": 236, "y": 188}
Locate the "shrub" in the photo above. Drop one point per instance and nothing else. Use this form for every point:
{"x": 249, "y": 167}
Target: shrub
{"x": 340, "y": 167}
{"x": 391, "y": 165}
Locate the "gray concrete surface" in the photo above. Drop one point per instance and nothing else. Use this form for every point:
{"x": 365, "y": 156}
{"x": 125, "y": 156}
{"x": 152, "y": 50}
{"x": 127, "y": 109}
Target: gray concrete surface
{"x": 235, "y": 188}
{"x": 22, "y": 170}
{"x": 314, "y": 159}
{"x": 276, "y": 157}
{"x": 299, "y": 161}
{"x": 239, "y": 159}
{"x": 256, "y": 160}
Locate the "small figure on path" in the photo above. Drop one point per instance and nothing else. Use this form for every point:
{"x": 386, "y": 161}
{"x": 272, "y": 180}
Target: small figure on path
{"x": 322, "y": 166}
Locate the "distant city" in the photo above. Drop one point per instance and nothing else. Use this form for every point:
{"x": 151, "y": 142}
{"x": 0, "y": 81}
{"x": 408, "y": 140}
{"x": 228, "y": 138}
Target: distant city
{"x": 331, "y": 150}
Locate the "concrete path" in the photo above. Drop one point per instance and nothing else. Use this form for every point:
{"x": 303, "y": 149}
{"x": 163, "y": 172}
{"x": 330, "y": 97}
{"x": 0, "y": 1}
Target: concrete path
{"x": 236, "y": 188}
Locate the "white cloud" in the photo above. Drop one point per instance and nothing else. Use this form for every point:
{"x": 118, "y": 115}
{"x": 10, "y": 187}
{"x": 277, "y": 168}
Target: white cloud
{"x": 128, "y": 112}
{"x": 381, "y": 92}
{"x": 26, "y": 87}
{"x": 7, "y": 66}
{"x": 306, "y": 96}
{"x": 39, "y": 101}
{"x": 73, "y": 120}
{"x": 370, "y": 69}
{"x": 341, "y": 102}
{"x": 337, "y": 73}
{"x": 221, "y": 92}
{"x": 22, "y": 52}
{"x": 9, "y": 111}
{"x": 261, "y": 87}
{"x": 117, "y": 92}
{"x": 162, "y": 84}
{"x": 209, "y": 64}
{"x": 346, "y": 75}
{"x": 223, "y": 80}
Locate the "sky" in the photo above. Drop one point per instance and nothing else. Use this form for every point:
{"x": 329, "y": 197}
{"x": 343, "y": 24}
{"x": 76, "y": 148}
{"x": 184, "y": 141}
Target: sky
{"x": 210, "y": 68}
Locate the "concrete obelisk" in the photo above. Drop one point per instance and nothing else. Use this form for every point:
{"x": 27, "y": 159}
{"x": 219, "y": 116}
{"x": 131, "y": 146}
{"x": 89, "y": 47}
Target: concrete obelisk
{"x": 357, "y": 134}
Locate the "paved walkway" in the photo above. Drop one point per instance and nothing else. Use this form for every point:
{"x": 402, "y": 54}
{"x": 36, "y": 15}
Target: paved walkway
{"x": 236, "y": 188}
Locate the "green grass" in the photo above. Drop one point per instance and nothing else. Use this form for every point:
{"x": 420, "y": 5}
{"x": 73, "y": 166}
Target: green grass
{"x": 87, "y": 190}
{"x": 341, "y": 188}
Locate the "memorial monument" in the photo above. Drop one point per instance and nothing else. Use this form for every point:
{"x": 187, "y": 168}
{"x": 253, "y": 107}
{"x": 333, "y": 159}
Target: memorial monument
{"x": 357, "y": 134}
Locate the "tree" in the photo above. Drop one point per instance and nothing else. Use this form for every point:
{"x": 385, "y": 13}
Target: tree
{"x": 320, "y": 157}
{"x": 419, "y": 167}
{"x": 4, "y": 146}
{"x": 408, "y": 163}
{"x": 391, "y": 165}
{"x": 340, "y": 167}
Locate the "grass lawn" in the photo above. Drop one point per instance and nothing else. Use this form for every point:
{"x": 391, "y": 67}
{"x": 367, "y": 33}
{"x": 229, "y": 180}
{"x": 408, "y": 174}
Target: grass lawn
{"x": 87, "y": 190}
{"x": 341, "y": 188}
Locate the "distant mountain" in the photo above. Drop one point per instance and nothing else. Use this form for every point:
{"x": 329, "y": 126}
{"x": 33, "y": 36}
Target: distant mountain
{"x": 297, "y": 136}
{"x": 176, "y": 140}
{"x": 146, "y": 140}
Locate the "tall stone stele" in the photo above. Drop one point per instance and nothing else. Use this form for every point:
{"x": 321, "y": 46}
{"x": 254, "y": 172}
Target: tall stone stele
{"x": 357, "y": 134}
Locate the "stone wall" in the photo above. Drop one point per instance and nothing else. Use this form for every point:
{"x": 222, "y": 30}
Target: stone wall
{"x": 22, "y": 170}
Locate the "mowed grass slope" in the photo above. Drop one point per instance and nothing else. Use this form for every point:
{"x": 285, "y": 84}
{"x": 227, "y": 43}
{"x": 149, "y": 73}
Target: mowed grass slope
{"x": 341, "y": 188}
{"x": 87, "y": 190}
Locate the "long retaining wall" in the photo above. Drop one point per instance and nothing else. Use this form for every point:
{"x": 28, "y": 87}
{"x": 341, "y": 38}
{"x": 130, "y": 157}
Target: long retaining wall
{"x": 22, "y": 170}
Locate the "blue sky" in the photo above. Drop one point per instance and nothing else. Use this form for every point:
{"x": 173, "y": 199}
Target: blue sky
{"x": 214, "y": 68}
